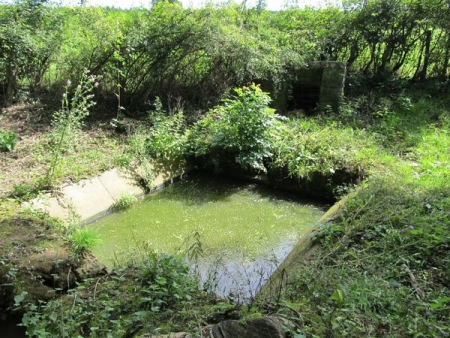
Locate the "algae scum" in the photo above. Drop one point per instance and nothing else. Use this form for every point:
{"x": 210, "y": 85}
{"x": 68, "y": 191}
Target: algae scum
{"x": 235, "y": 233}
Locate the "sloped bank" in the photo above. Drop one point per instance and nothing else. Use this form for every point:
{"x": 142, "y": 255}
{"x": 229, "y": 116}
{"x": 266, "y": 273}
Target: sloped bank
{"x": 92, "y": 198}
{"x": 286, "y": 271}
{"x": 36, "y": 265}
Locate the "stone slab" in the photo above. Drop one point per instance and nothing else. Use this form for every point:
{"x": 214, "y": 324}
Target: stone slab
{"x": 118, "y": 183}
{"x": 53, "y": 205}
{"x": 88, "y": 198}
{"x": 92, "y": 198}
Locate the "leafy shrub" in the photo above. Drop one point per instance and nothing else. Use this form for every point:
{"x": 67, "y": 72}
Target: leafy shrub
{"x": 165, "y": 281}
{"x": 143, "y": 297}
{"x": 167, "y": 137}
{"x": 243, "y": 126}
{"x": 8, "y": 140}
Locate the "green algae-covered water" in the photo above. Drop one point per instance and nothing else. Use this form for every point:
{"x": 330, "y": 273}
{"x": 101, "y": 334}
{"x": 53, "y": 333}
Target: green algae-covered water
{"x": 238, "y": 232}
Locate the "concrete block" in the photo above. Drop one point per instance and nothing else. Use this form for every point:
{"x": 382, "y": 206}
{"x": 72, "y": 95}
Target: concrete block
{"x": 88, "y": 198}
{"x": 118, "y": 183}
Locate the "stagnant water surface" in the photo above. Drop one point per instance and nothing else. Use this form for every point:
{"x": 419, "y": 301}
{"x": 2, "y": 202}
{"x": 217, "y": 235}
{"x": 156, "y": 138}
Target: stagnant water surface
{"x": 244, "y": 230}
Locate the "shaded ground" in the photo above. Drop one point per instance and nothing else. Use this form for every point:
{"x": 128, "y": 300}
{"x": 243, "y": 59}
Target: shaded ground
{"x": 20, "y": 238}
{"x": 35, "y": 262}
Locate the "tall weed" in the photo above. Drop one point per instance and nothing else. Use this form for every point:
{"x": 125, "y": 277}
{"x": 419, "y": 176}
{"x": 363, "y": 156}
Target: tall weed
{"x": 68, "y": 121}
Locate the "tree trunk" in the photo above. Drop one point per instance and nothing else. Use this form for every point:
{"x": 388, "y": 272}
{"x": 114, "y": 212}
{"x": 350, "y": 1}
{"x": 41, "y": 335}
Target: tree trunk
{"x": 12, "y": 81}
{"x": 446, "y": 62}
{"x": 426, "y": 58}
{"x": 386, "y": 57}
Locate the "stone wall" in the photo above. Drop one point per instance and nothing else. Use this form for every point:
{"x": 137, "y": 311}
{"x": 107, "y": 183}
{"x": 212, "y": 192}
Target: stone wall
{"x": 332, "y": 84}
{"x": 319, "y": 84}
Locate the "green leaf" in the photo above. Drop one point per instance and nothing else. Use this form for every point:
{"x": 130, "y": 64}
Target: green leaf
{"x": 338, "y": 296}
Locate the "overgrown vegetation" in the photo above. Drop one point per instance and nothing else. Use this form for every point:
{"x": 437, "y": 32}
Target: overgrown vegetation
{"x": 155, "y": 296}
{"x": 242, "y": 129}
{"x": 382, "y": 267}
{"x": 124, "y": 202}
{"x": 68, "y": 121}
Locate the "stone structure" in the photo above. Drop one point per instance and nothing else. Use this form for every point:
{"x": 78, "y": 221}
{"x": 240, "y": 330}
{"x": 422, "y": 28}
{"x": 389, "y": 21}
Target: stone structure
{"x": 319, "y": 84}
{"x": 265, "y": 327}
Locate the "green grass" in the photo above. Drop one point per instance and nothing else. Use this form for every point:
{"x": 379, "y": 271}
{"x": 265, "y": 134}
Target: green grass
{"x": 384, "y": 265}
{"x": 83, "y": 241}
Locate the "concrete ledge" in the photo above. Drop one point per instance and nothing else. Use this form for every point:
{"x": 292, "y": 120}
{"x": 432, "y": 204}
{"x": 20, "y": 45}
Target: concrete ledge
{"x": 92, "y": 198}
{"x": 287, "y": 270}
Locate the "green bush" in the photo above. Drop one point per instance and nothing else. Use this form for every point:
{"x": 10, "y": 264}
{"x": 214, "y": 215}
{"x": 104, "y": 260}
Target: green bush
{"x": 167, "y": 137}
{"x": 155, "y": 295}
{"x": 165, "y": 281}
{"x": 243, "y": 127}
{"x": 8, "y": 140}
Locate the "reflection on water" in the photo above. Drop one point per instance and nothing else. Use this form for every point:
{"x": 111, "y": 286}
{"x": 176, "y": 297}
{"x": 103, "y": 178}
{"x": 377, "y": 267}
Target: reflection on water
{"x": 237, "y": 275}
{"x": 244, "y": 230}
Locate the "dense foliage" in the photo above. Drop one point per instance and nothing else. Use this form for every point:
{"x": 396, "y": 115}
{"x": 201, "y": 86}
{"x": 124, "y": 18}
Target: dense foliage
{"x": 243, "y": 129}
{"x": 383, "y": 267}
{"x": 197, "y": 55}
{"x": 128, "y": 301}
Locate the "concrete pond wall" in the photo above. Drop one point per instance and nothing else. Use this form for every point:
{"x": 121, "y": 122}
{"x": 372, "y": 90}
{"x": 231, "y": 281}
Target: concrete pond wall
{"x": 92, "y": 198}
